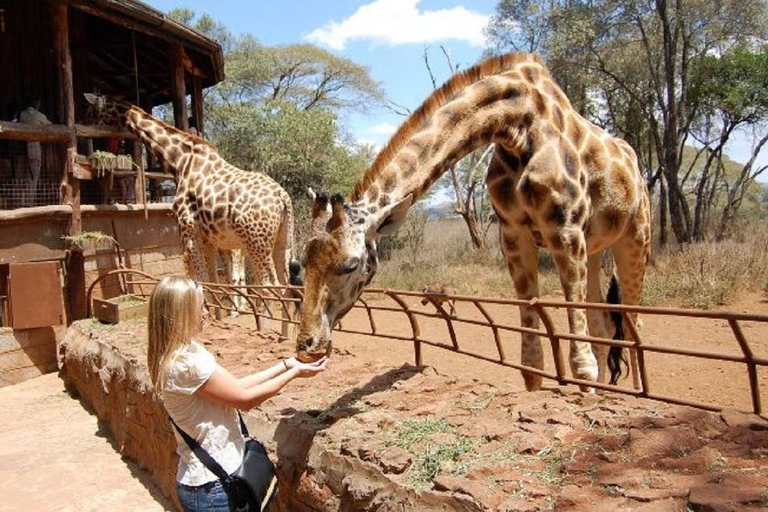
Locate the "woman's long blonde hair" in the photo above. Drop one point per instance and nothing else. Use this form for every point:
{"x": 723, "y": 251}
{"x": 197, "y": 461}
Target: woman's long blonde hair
{"x": 175, "y": 309}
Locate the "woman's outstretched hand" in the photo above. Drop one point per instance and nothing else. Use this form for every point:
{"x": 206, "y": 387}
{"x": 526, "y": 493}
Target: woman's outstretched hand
{"x": 307, "y": 369}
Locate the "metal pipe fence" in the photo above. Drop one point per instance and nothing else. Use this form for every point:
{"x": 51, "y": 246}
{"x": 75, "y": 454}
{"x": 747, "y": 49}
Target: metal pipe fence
{"x": 439, "y": 329}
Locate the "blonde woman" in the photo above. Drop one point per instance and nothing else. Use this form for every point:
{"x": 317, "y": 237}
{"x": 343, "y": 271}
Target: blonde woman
{"x": 200, "y": 395}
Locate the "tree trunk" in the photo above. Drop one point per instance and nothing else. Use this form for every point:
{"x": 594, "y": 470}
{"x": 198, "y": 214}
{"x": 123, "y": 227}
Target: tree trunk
{"x": 662, "y": 211}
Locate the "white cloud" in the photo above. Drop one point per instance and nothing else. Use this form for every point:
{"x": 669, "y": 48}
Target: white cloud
{"x": 397, "y": 22}
{"x": 382, "y": 129}
{"x": 376, "y": 144}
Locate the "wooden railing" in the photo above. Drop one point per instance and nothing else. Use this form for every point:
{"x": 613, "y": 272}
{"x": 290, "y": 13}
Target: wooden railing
{"x": 278, "y": 302}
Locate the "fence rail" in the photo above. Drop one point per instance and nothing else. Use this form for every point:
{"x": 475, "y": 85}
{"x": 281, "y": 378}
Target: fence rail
{"x": 279, "y": 303}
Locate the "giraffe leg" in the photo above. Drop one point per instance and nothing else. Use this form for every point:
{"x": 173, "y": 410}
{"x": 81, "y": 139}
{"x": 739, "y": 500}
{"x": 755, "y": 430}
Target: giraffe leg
{"x": 209, "y": 254}
{"x": 281, "y": 255}
{"x": 237, "y": 276}
{"x": 571, "y": 262}
{"x": 521, "y": 256}
{"x": 226, "y": 261}
{"x": 262, "y": 269}
{"x": 597, "y": 321}
{"x": 194, "y": 255}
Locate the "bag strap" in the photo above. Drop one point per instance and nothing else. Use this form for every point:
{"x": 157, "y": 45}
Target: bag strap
{"x": 243, "y": 427}
{"x": 208, "y": 461}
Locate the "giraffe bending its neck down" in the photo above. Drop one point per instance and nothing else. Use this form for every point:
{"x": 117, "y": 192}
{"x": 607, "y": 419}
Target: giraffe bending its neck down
{"x": 217, "y": 205}
{"x": 556, "y": 181}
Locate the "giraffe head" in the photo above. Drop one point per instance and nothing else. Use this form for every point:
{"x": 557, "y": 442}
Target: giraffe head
{"x": 339, "y": 259}
{"x": 103, "y": 111}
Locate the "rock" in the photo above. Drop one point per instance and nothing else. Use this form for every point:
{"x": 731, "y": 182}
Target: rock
{"x": 715, "y": 497}
{"x": 702, "y": 460}
{"x": 519, "y": 505}
{"x": 646, "y": 495}
{"x": 395, "y": 460}
{"x": 736, "y": 419}
{"x": 659, "y": 442}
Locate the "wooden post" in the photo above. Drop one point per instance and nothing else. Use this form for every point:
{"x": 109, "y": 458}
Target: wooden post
{"x": 70, "y": 186}
{"x": 197, "y": 103}
{"x": 178, "y": 91}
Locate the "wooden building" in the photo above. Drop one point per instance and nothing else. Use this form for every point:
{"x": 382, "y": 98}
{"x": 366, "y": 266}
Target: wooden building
{"x": 52, "y": 52}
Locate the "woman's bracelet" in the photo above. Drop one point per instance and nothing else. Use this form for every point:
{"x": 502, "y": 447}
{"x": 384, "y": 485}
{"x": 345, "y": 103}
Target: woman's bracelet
{"x": 286, "y": 365}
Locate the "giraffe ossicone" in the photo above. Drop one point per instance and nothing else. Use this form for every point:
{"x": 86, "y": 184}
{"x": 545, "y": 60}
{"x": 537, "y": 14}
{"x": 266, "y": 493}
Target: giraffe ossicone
{"x": 556, "y": 181}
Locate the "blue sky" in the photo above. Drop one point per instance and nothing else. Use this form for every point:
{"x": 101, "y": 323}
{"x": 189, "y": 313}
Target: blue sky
{"x": 387, "y": 36}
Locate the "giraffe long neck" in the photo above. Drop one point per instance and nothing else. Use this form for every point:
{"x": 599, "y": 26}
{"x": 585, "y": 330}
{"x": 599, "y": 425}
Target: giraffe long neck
{"x": 497, "y": 108}
{"x": 173, "y": 147}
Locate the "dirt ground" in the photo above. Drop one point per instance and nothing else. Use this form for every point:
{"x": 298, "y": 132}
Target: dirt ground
{"x": 78, "y": 456}
{"x": 54, "y": 456}
{"x": 696, "y": 379}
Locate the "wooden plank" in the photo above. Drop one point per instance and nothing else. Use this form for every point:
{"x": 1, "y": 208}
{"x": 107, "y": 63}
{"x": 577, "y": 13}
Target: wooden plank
{"x": 60, "y": 213}
{"x": 102, "y": 132}
{"x": 35, "y": 132}
{"x": 28, "y": 241}
{"x": 178, "y": 92}
{"x": 197, "y": 103}
{"x": 82, "y": 172}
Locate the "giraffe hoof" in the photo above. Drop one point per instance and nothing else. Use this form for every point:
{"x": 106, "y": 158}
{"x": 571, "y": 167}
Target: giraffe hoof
{"x": 532, "y": 381}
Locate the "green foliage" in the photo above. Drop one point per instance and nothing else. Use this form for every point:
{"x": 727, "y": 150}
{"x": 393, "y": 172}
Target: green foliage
{"x": 735, "y": 84}
{"x": 278, "y": 112}
{"x": 302, "y": 74}
{"x": 431, "y": 456}
{"x": 97, "y": 239}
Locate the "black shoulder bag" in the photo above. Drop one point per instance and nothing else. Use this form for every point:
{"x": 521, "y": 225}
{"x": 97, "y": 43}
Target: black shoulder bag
{"x": 253, "y": 486}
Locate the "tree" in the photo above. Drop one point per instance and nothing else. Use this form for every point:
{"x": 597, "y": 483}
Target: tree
{"x": 731, "y": 92}
{"x": 277, "y": 111}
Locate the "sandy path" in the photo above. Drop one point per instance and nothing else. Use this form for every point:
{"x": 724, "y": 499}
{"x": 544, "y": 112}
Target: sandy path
{"x": 54, "y": 457}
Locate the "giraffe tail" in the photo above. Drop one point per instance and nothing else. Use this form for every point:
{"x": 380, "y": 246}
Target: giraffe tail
{"x": 616, "y": 355}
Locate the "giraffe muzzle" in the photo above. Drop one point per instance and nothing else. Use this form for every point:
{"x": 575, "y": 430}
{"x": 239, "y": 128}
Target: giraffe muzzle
{"x": 309, "y": 352}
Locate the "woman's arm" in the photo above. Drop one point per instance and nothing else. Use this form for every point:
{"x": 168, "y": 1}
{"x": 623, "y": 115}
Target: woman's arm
{"x": 224, "y": 388}
{"x": 266, "y": 374}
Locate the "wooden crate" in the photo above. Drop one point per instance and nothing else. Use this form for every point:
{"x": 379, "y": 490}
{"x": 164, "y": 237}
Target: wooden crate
{"x": 119, "y": 309}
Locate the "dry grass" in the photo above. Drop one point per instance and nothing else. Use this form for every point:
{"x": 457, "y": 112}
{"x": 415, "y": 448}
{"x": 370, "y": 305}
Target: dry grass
{"x": 699, "y": 275}
{"x": 446, "y": 255}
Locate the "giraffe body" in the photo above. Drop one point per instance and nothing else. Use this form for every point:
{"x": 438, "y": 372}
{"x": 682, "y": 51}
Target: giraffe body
{"x": 217, "y": 205}
{"x": 556, "y": 181}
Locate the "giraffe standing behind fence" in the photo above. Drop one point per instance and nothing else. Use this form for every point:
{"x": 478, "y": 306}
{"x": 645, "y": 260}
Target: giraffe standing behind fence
{"x": 217, "y": 205}
{"x": 556, "y": 181}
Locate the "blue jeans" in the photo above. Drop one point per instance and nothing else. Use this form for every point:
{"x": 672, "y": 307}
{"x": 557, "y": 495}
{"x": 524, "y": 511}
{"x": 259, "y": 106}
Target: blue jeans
{"x": 208, "y": 497}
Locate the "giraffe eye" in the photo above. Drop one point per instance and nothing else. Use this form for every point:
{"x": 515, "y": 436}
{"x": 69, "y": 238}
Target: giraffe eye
{"x": 351, "y": 266}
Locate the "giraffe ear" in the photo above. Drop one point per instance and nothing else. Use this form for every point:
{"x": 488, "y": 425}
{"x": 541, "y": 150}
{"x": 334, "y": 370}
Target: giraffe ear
{"x": 390, "y": 218}
{"x": 91, "y": 98}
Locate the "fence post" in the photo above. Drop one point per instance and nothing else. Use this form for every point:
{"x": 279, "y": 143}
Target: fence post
{"x": 549, "y": 326}
{"x": 414, "y": 324}
{"x": 638, "y": 353}
{"x": 754, "y": 386}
